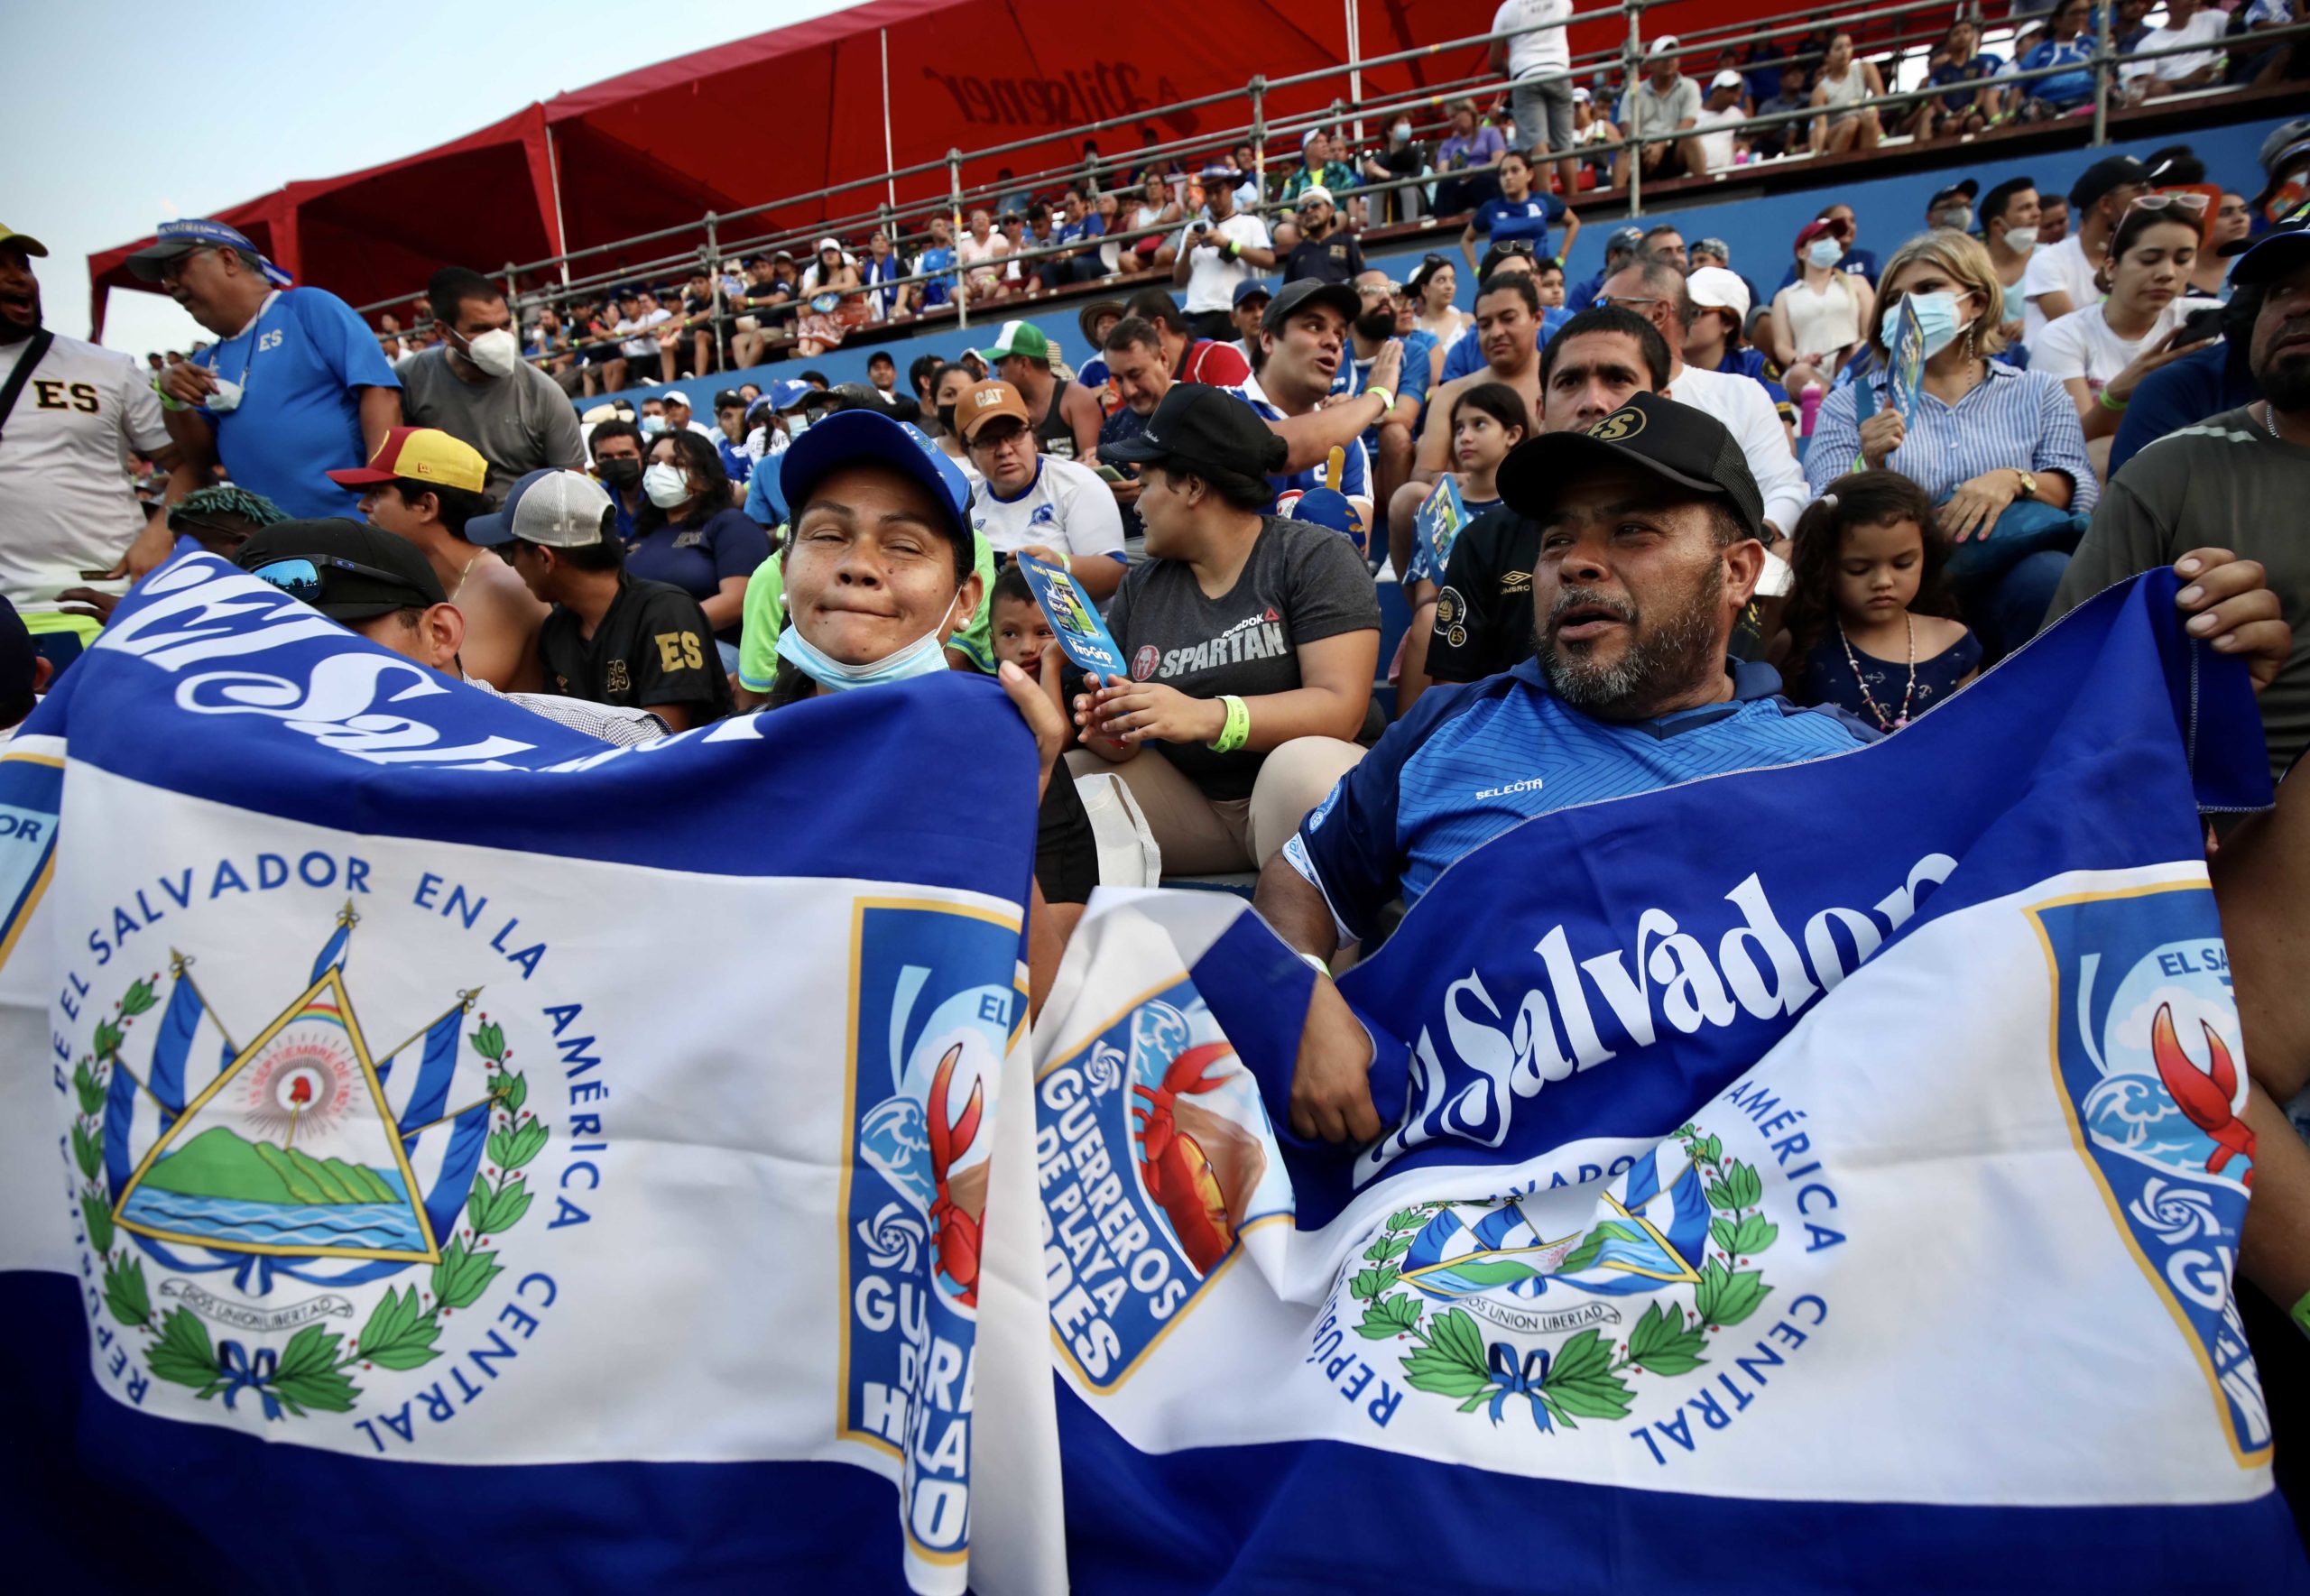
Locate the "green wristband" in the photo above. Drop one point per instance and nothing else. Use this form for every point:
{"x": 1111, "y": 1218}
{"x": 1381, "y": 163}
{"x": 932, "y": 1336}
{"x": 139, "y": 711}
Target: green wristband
{"x": 2300, "y": 1312}
{"x": 1237, "y": 730}
{"x": 169, "y": 402}
{"x": 2107, "y": 404}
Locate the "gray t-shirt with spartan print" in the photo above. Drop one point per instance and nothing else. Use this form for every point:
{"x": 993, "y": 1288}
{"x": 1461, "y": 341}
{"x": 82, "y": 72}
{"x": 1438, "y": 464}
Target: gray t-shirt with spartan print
{"x": 1303, "y": 583}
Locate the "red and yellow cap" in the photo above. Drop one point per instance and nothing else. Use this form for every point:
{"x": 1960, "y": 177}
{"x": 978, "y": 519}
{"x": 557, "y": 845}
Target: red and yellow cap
{"x": 422, "y": 454}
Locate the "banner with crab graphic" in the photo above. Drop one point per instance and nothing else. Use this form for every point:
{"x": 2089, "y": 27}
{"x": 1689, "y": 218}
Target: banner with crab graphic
{"x": 1787, "y": 1200}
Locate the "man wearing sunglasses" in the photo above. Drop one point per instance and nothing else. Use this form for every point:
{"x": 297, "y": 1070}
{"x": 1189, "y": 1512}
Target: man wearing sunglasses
{"x": 1326, "y": 250}
{"x": 371, "y": 582}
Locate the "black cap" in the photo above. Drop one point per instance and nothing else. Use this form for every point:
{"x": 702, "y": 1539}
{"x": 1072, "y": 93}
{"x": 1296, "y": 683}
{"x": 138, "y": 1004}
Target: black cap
{"x": 392, "y": 575}
{"x": 2283, "y": 249}
{"x": 729, "y": 397}
{"x": 1673, "y": 441}
{"x": 2097, "y": 179}
{"x": 1204, "y": 426}
{"x": 1309, "y": 291}
{"x": 1969, "y": 190}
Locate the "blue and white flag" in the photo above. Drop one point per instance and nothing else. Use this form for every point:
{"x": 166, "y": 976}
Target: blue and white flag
{"x": 438, "y": 1151}
{"x": 1812, "y": 1179}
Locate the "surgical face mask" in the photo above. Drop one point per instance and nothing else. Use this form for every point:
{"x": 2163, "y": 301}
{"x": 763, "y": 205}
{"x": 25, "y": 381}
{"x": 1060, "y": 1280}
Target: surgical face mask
{"x": 495, "y": 352}
{"x": 665, "y": 484}
{"x": 2021, "y": 240}
{"x": 1400, "y": 134}
{"x": 946, "y": 416}
{"x": 652, "y": 425}
{"x": 227, "y": 399}
{"x": 926, "y": 656}
{"x": 618, "y": 472}
{"x": 1824, "y": 253}
{"x": 1960, "y": 216}
{"x": 1937, "y": 318}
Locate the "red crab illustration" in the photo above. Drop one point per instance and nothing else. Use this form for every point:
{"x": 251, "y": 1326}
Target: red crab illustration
{"x": 2204, "y": 1095}
{"x": 1178, "y": 1172}
{"x": 953, "y": 1230}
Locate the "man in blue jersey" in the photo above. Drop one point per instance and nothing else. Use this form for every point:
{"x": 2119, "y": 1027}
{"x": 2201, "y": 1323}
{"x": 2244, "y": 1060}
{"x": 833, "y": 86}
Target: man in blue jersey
{"x": 295, "y": 386}
{"x": 1303, "y": 340}
{"x": 1648, "y": 550}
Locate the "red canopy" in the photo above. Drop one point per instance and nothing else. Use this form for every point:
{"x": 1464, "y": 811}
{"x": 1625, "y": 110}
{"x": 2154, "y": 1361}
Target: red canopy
{"x": 803, "y": 107}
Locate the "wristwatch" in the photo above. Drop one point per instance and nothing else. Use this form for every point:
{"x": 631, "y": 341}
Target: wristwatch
{"x": 2029, "y": 482}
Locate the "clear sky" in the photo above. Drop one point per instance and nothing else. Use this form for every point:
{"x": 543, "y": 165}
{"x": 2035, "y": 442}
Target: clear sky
{"x": 136, "y": 112}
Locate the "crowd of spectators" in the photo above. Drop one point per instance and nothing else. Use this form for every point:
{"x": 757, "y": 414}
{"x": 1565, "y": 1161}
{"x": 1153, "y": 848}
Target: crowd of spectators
{"x": 1677, "y": 493}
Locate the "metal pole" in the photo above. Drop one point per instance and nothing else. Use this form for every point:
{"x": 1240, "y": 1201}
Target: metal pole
{"x": 2103, "y": 62}
{"x": 560, "y": 228}
{"x": 962, "y": 280}
{"x": 1631, "y": 64}
{"x": 712, "y": 254}
{"x": 1356, "y": 64}
{"x": 513, "y": 285}
{"x": 1257, "y": 90}
{"x": 889, "y": 160}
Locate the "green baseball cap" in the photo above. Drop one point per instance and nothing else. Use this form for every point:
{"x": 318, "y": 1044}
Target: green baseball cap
{"x": 1018, "y": 337}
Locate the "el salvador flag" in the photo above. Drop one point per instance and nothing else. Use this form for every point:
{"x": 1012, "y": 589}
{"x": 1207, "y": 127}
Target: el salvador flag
{"x": 443, "y": 1152}
{"x": 1766, "y": 1207}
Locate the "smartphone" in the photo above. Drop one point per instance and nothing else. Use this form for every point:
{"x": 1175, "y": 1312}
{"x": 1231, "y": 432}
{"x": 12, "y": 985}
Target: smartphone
{"x": 2199, "y": 327}
{"x": 1109, "y": 473}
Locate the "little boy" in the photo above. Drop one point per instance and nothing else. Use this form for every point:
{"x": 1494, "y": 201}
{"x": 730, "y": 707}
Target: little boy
{"x": 1021, "y": 629}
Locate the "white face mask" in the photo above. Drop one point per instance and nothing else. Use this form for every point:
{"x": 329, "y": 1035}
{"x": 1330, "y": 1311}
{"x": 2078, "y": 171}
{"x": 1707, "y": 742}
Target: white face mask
{"x": 925, "y": 655}
{"x": 1824, "y": 253}
{"x": 2021, "y": 240}
{"x": 1401, "y": 132}
{"x": 496, "y": 352}
{"x": 227, "y": 399}
{"x": 665, "y": 484}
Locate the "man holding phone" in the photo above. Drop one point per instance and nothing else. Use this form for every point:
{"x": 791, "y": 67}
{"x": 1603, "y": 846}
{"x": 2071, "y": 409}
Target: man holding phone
{"x": 1216, "y": 253}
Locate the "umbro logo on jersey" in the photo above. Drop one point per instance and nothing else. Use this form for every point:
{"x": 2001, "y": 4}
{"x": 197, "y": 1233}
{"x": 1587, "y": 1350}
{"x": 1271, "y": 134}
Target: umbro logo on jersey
{"x": 1513, "y": 787}
{"x": 1516, "y": 582}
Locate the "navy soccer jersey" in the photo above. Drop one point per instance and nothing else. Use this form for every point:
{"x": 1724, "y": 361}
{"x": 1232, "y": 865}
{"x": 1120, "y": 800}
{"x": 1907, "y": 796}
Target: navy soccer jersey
{"x": 1469, "y": 762}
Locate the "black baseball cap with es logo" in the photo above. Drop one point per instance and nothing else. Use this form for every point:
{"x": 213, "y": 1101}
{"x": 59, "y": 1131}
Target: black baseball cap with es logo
{"x": 1675, "y": 442}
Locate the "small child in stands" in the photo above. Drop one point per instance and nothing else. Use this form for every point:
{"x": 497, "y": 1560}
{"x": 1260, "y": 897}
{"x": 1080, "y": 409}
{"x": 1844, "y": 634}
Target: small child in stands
{"x": 1870, "y": 626}
{"x": 1021, "y": 630}
{"x": 1488, "y": 420}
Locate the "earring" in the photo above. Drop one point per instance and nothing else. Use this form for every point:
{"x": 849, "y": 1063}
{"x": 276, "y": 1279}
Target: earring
{"x": 1969, "y": 346}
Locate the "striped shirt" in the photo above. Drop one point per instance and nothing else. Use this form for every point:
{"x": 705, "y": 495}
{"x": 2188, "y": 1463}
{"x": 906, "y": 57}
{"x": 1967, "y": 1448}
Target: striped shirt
{"x": 1470, "y": 763}
{"x": 2010, "y": 420}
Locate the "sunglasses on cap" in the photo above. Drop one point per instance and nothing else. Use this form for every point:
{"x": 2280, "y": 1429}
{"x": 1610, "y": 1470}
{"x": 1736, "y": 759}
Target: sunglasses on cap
{"x": 303, "y": 579}
{"x": 2174, "y": 200}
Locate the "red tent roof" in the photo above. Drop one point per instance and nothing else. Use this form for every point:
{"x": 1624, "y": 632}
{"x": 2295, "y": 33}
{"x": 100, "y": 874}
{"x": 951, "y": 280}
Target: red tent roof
{"x": 800, "y": 108}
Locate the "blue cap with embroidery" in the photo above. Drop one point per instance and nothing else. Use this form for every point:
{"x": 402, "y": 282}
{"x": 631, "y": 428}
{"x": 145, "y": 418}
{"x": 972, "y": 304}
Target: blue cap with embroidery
{"x": 870, "y": 436}
{"x": 173, "y": 241}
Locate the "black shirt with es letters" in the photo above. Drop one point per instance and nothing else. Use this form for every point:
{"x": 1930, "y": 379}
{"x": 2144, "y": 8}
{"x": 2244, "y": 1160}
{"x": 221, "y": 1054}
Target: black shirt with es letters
{"x": 653, "y": 648}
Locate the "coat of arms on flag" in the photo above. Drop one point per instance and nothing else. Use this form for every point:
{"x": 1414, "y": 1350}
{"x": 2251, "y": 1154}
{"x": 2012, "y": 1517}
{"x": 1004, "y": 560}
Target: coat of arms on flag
{"x": 306, "y": 1157}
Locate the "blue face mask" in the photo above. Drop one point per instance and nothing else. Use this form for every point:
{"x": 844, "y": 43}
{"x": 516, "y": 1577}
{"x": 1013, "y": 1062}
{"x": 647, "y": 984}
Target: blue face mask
{"x": 1825, "y": 253}
{"x": 921, "y": 658}
{"x": 1936, "y": 318}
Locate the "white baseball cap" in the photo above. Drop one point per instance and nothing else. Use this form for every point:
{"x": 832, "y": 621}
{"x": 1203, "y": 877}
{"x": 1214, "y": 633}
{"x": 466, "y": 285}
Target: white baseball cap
{"x": 1728, "y": 78}
{"x": 1714, "y": 288}
{"x": 1315, "y": 191}
{"x": 1662, "y": 45}
{"x": 559, "y": 509}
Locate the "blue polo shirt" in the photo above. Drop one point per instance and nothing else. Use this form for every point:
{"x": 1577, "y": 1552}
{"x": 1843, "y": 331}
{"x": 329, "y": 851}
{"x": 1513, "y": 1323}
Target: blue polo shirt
{"x": 1470, "y": 761}
{"x": 299, "y": 366}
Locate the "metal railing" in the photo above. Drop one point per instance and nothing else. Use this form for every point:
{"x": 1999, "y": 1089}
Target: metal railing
{"x": 578, "y": 275}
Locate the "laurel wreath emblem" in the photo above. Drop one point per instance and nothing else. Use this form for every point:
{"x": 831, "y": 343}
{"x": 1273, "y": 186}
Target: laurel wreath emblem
{"x": 1587, "y": 1376}
{"x": 313, "y": 1372}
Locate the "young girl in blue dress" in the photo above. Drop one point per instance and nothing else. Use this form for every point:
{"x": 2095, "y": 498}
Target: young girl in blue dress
{"x": 1869, "y": 627}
